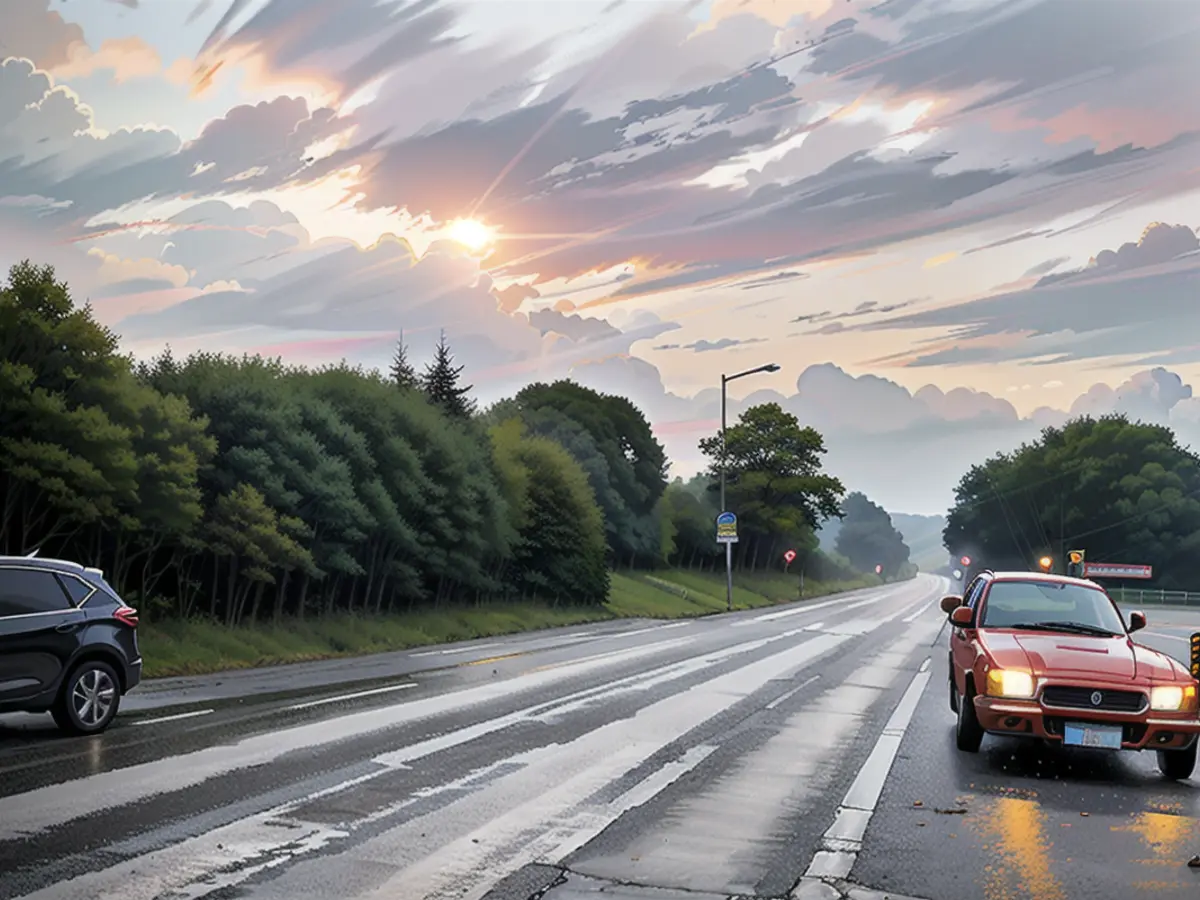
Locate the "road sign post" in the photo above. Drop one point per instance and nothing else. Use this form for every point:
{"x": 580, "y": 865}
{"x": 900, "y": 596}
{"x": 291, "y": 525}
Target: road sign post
{"x": 788, "y": 556}
{"x": 1196, "y": 655}
{"x": 1117, "y": 570}
{"x": 727, "y": 535}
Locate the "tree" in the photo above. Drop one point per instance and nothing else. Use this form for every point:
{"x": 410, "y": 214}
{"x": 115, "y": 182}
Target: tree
{"x": 868, "y": 539}
{"x": 402, "y": 374}
{"x": 774, "y": 480}
{"x": 1122, "y": 491}
{"x": 440, "y": 383}
{"x": 614, "y": 443}
{"x": 560, "y": 550}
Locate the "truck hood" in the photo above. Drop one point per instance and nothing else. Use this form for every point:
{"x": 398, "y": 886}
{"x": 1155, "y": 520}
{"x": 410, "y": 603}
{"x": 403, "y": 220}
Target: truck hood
{"x": 1043, "y": 653}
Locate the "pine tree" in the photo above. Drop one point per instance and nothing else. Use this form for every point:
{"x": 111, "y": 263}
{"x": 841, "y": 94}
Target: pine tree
{"x": 402, "y": 373}
{"x": 440, "y": 383}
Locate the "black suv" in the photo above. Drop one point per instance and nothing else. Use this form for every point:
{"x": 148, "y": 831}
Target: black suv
{"x": 68, "y": 644}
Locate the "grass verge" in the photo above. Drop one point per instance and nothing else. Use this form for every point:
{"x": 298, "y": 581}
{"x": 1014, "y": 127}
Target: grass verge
{"x": 198, "y": 646}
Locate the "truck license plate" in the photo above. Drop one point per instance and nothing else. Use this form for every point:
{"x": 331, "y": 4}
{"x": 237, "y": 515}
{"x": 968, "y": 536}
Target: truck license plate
{"x": 1107, "y": 737}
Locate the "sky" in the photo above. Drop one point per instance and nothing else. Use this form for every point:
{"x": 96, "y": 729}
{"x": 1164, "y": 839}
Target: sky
{"x": 950, "y": 223}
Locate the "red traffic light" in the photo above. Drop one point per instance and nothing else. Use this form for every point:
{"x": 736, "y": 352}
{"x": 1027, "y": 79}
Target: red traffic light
{"x": 789, "y": 555}
{"x": 966, "y": 560}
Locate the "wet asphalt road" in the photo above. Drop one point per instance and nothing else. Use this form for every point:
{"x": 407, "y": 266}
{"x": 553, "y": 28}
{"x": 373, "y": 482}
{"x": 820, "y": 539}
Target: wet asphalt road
{"x": 653, "y": 761}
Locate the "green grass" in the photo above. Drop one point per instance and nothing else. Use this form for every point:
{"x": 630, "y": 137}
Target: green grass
{"x": 198, "y": 646}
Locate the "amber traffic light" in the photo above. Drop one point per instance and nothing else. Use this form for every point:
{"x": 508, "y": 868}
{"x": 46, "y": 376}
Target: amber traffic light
{"x": 1076, "y": 556}
{"x": 1046, "y": 562}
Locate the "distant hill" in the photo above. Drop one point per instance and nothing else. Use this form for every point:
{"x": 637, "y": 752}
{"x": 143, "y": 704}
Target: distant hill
{"x": 923, "y": 534}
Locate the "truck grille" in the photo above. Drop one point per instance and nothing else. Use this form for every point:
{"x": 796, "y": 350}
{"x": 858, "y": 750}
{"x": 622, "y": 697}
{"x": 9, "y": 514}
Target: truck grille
{"x": 1081, "y": 698}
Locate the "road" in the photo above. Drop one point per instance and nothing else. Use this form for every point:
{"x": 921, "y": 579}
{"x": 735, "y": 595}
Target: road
{"x": 802, "y": 752}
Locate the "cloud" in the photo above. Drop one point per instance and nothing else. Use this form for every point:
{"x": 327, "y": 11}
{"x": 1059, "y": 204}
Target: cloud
{"x": 33, "y": 31}
{"x": 117, "y": 273}
{"x": 1132, "y": 302}
{"x": 932, "y": 436}
{"x": 125, "y": 58}
{"x": 48, "y": 146}
{"x": 706, "y": 346}
{"x": 346, "y": 45}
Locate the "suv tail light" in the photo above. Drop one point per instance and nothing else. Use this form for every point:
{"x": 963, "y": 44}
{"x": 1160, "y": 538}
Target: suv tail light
{"x": 127, "y": 615}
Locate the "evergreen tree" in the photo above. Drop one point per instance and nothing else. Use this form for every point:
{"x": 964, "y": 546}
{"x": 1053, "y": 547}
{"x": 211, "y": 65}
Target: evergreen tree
{"x": 440, "y": 382}
{"x": 402, "y": 372}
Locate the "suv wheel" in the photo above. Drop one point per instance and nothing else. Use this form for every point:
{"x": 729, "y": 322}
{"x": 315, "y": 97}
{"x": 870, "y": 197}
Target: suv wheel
{"x": 89, "y": 699}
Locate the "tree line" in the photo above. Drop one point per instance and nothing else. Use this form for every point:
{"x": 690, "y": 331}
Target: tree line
{"x": 1122, "y": 491}
{"x": 244, "y": 489}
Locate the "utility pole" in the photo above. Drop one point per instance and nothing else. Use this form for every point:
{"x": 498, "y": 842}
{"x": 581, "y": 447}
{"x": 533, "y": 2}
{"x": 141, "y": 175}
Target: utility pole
{"x": 725, "y": 379}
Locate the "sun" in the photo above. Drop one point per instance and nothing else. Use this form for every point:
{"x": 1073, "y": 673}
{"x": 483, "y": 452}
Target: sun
{"x": 472, "y": 234}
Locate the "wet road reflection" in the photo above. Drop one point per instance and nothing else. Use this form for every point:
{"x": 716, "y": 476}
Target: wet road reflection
{"x": 1021, "y": 820}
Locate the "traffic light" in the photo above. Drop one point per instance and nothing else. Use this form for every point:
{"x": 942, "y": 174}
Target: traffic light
{"x": 1196, "y": 655}
{"x": 1045, "y": 562}
{"x": 966, "y": 560}
{"x": 1075, "y": 563}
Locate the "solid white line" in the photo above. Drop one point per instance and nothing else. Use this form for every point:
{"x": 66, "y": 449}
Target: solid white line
{"x": 843, "y": 839}
{"x": 383, "y": 690}
{"x": 1169, "y": 637}
{"x": 470, "y": 649}
{"x": 912, "y": 617}
{"x": 176, "y": 717}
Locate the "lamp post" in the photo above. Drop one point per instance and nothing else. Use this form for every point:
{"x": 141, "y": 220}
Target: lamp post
{"x": 725, "y": 379}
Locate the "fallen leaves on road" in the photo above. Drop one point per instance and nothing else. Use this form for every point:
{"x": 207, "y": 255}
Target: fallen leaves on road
{"x": 1194, "y": 862}
{"x": 957, "y": 811}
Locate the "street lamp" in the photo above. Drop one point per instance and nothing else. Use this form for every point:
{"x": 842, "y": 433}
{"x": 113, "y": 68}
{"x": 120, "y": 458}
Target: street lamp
{"x": 725, "y": 379}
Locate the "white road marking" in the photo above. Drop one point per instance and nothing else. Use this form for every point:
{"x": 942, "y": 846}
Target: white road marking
{"x": 455, "y": 650}
{"x": 806, "y": 608}
{"x": 1169, "y": 637}
{"x": 545, "y": 817}
{"x": 553, "y": 823}
{"x": 43, "y": 808}
{"x": 792, "y": 693}
{"x": 174, "y": 718}
{"x": 843, "y": 839}
{"x": 912, "y": 617}
{"x": 373, "y": 691}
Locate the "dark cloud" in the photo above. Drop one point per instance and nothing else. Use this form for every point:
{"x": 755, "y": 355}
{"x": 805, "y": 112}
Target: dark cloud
{"x": 132, "y": 286}
{"x": 47, "y": 149}
{"x": 769, "y": 280}
{"x": 353, "y": 41}
{"x": 31, "y": 30}
{"x": 576, "y": 327}
{"x": 1061, "y": 41}
{"x": 1013, "y": 239}
{"x": 1046, "y": 267}
{"x": 833, "y": 323}
{"x": 1136, "y": 300}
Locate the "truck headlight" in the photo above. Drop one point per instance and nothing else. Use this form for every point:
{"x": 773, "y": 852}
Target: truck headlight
{"x": 1172, "y": 698}
{"x": 1009, "y": 683}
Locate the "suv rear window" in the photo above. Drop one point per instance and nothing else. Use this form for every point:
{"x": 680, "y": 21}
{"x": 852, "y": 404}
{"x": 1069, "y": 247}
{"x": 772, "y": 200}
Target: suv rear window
{"x": 27, "y": 591}
{"x": 77, "y": 590}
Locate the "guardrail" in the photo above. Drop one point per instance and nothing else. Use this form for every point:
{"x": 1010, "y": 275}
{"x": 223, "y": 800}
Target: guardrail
{"x": 1141, "y": 597}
